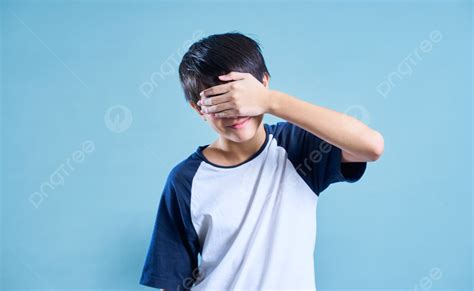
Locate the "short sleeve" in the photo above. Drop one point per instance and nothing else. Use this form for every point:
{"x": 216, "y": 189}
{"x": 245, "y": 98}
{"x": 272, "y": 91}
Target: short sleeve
{"x": 172, "y": 258}
{"x": 316, "y": 161}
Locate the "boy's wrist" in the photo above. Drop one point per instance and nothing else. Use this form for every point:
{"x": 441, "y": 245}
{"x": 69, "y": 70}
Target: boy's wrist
{"x": 275, "y": 100}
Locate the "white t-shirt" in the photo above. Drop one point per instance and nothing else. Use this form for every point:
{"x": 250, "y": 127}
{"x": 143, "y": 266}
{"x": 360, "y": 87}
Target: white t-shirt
{"x": 254, "y": 224}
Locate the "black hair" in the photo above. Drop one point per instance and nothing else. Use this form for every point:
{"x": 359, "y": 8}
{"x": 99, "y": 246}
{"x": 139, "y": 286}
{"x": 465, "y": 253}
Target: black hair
{"x": 216, "y": 55}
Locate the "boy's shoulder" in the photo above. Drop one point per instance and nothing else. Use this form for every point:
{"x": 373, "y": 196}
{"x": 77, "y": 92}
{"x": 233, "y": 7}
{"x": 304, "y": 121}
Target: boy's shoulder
{"x": 182, "y": 173}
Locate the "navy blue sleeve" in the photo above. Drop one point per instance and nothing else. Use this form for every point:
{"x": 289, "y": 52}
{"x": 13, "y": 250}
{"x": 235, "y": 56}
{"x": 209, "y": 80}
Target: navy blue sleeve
{"x": 172, "y": 257}
{"x": 316, "y": 161}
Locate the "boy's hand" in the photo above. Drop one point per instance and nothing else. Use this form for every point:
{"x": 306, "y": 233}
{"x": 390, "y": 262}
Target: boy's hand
{"x": 244, "y": 96}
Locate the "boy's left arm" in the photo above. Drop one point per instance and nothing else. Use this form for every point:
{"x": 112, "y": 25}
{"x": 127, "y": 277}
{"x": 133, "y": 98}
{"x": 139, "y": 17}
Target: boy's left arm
{"x": 244, "y": 95}
{"x": 358, "y": 142}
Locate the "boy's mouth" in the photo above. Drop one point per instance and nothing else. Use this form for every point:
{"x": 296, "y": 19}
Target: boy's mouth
{"x": 239, "y": 124}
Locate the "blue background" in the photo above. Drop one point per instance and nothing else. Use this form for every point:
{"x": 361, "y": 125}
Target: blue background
{"x": 65, "y": 64}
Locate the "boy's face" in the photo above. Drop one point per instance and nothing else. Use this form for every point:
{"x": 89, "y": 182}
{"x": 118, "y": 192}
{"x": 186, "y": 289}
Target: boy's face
{"x": 236, "y": 129}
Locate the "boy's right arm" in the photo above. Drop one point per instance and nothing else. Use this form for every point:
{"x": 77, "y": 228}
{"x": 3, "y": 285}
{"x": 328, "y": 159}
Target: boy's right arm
{"x": 173, "y": 251}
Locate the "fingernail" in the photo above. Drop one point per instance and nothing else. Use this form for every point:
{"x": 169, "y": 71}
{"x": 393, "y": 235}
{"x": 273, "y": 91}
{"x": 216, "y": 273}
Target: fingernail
{"x": 201, "y": 94}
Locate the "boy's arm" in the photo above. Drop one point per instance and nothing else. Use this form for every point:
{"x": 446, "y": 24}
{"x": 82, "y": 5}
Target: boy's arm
{"x": 358, "y": 142}
{"x": 244, "y": 95}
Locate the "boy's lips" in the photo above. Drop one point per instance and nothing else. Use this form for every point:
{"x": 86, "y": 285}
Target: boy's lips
{"x": 241, "y": 123}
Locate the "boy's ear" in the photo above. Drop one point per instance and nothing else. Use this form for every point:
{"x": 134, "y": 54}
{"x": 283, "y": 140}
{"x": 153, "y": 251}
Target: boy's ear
{"x": 197, "y": 109}
{"x": 195, "y": 106}
{"x": 266, "y": 80}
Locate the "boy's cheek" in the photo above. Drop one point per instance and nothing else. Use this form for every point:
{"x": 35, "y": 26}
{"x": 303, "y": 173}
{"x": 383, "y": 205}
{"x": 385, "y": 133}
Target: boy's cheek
{"x": 212, "y": 118}
{"x": 216, "y": 121}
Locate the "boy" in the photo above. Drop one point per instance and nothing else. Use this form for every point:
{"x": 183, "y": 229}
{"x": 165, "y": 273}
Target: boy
{"x": 247, "y": 202}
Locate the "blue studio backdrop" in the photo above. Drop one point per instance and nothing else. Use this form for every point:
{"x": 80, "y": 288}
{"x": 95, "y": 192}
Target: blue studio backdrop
{"x": 93, "y": 118}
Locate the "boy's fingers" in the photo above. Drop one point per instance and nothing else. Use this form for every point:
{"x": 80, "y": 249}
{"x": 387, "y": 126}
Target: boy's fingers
{"x": 219, "y": 89}
{"x": 224, "y": 88}
{"x": 215, "y": 100}
{"x": 217, "y": 108}
{"x": 233, "y": 76}
{"x": 227, "y": 113}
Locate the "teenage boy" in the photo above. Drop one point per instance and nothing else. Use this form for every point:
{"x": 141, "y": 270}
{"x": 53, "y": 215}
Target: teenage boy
{"x": 247, "y": 202}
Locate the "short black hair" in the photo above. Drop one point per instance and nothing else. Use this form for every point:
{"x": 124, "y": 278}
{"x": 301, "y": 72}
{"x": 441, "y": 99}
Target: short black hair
{"x": 216, "y": 55}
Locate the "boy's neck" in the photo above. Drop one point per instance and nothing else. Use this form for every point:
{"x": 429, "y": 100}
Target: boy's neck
{"x": 226, "y": 152}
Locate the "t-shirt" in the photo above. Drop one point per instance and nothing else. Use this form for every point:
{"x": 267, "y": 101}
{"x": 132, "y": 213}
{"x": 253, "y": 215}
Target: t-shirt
{"x": 252, "y": 224}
